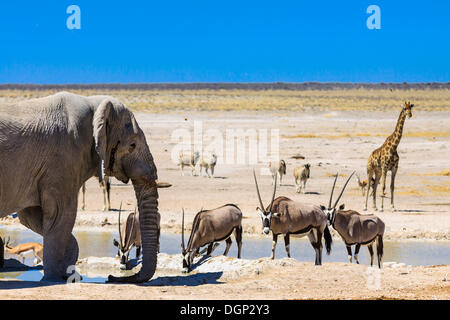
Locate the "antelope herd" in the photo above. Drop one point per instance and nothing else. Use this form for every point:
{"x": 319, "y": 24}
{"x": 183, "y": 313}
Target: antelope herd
{"x": 282, "y": 216}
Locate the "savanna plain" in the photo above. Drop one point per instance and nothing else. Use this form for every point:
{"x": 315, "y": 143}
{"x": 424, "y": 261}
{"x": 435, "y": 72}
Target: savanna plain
{"x": 333, "y": 130}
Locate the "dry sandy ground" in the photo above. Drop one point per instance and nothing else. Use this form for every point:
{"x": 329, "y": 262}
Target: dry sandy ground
{"x": 227, "y": 278}
{"x": 330, "y": 141}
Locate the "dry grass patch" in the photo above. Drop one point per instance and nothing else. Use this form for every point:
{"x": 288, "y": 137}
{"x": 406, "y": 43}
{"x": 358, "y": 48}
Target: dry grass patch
{"x": 252, "y": 100}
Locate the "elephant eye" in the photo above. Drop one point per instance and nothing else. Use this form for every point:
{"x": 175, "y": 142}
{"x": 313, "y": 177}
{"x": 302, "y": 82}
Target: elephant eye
{"x": 132, "y": 147}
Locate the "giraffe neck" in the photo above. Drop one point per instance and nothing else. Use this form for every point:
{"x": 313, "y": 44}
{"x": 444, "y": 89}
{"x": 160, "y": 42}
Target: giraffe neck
{"x": 397, "y": 135}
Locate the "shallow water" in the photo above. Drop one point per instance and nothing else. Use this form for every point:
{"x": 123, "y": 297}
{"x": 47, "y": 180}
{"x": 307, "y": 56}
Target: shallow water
{"x": 100, "y": 244}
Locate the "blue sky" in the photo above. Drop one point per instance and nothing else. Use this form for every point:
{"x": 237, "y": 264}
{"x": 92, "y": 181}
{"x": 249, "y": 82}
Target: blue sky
{"x": 224, "y": 41}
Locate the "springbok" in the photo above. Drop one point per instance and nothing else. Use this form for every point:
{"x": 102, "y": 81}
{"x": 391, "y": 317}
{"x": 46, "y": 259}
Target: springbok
{"x": 26, "y": 250}
{"x": 301, "y": 175}
{"x": 129, "y": 237}
{"x": 210, "y": 226}
{"x": 285, "y": 216}
{"x": 105, "y": 185}
{"x": 277, "y": 168}
{"x": 188, "y": 161}
{"x": 354, "y": 228}
{"x": 209, "y": 164}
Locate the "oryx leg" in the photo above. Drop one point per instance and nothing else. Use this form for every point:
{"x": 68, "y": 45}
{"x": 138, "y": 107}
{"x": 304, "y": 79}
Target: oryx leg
{"x": 358, "y": 245}
{"x": 370, "y": 247}
{"x": 192, "y": 170}
{"x": 274, "y": 245}
{"x": 229, "y": 242}
{"x": 304, "y": 186}
{"x": 349, "y": 251}
{"x": 2, "y": 253}
{"x": 212, "y": 172}
{"x": 181, "y": 169}
{"x": 210, "y": 249}
{"x": 138, "y": 251}
{"x": 286, "y": 244}
{"x": 315, "y": 237}
{"x": 238, "y": 236}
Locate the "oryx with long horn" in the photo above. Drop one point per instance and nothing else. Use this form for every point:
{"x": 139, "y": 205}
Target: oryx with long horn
{"x": 129, "y": 237}
{"x": 354, "y": 228}
{"x": 210, "y": 226}
{"x": 285, "y": 216}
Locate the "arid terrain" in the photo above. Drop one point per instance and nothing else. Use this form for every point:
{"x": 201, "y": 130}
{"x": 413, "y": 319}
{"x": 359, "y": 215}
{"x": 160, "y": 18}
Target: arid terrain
{"x": 334, "y": 130}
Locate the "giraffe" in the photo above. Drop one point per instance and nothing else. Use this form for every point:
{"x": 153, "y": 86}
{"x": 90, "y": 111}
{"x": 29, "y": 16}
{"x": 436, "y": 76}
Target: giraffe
{"x": 385, "y": 159}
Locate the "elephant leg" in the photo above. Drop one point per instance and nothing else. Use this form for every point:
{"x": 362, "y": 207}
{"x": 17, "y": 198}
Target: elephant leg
{"x": 32, "y": 218}
{"x": 60, "y": 246}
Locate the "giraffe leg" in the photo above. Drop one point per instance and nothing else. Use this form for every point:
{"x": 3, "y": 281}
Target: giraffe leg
{"x": 374, "y": 193}
{"x": 394, "y": 172}
{"x": 383, "y": 187}
{"x": 369, "y": 177}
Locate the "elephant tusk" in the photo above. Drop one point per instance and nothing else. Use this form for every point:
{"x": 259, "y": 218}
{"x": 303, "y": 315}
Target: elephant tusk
{"x": 163, "y": 184}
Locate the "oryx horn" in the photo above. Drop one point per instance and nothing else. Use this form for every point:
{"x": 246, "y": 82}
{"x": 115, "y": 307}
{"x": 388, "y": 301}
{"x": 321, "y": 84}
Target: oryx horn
{"x": 332, "y": 189}
{"x": 120, "y": 233}
{"x": 257, "y": 192}
{"x": 274, "y": 191}
{"x": 182, "y": 231}
{"x": 131, "y": 230}
{"x": 343, "y": 189}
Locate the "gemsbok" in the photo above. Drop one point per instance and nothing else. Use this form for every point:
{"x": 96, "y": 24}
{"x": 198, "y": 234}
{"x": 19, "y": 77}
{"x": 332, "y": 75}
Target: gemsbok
{"x": 129, "y": 237}
{"x": 285, "y": 216}
{"x": 354, "y": 228}
{"x": 26, "y": 250}
{"x": 210, "y": 226}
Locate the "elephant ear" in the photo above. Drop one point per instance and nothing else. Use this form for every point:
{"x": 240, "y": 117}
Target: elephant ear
{"x": 100, "y": 129}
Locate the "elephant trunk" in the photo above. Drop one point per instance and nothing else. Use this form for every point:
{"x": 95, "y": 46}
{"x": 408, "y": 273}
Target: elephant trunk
{"x": 147, "y": 198}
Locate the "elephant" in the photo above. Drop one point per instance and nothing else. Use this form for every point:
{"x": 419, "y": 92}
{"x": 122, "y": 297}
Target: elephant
{"x": 49, "y": 147}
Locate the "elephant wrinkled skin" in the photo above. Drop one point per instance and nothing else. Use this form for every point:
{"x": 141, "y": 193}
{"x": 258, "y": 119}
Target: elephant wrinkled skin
{"x": 49, "y": 147}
